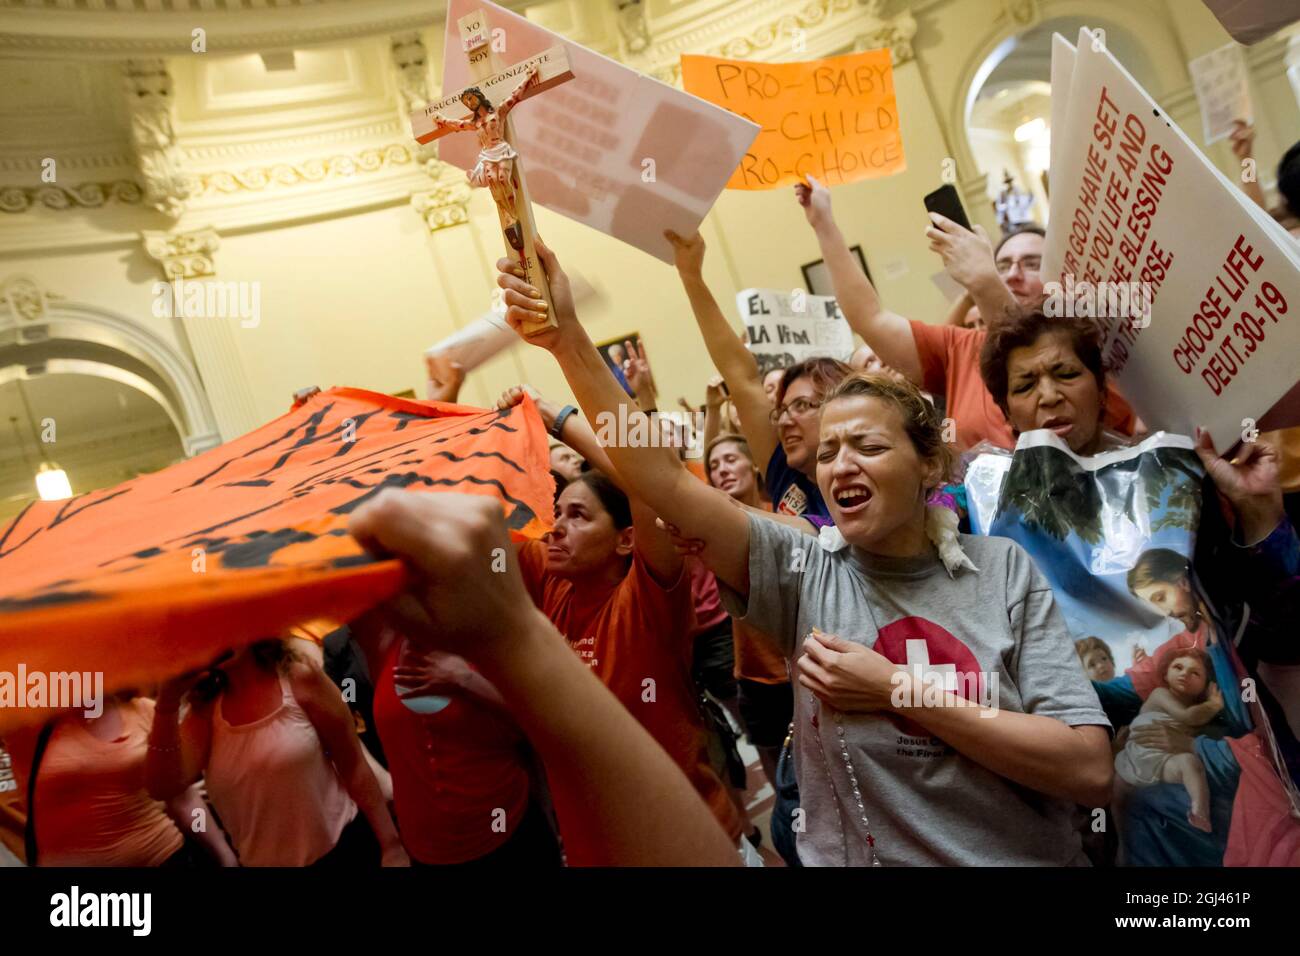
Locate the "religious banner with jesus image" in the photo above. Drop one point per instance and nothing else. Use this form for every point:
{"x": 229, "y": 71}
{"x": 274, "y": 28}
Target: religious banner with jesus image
{"x": 1114, "y": 534}
{"x": 162, "y": 573}
{"x": 834, "y": 119}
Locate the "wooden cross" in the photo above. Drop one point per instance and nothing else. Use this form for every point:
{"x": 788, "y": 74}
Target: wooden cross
{"x": 485, "y": 108}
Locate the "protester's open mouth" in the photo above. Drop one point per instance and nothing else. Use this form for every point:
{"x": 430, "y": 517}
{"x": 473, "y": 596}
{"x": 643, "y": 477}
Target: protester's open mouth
{"x": 726, "y": 483}
{"x": 852, "y": 498}
{"x": 1061, "y": 426}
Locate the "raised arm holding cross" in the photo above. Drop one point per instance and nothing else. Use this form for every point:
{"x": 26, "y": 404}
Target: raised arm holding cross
{"x": 498, "y": 167}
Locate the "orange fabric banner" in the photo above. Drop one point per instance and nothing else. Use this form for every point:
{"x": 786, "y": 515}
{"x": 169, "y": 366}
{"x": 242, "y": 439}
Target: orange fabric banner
{"x": 835, "y": 119}
{"x": 164, "y": 572}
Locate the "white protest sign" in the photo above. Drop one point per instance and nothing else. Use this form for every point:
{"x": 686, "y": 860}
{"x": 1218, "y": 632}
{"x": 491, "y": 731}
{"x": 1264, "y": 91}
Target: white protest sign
{"x": 1134, "y": 201}
{"x": 1062, "y": 70}
{"x": 783, "y": 328}
{"x": 1220, "y": 81}
{"x": 612, "y": 148}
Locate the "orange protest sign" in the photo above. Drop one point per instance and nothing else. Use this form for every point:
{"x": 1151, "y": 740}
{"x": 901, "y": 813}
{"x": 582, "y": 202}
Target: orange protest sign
{"x": 835, "y": 119}
{"x": 162, "y": 573}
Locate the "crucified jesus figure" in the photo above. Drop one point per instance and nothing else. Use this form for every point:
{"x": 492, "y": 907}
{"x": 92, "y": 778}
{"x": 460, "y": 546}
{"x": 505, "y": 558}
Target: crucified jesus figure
{"x": 496, "y": 159}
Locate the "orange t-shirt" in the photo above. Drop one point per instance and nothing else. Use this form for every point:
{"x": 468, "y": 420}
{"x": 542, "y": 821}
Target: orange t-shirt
{"x": 630, "y": 633}
{"x": 92, "y": 807}
{"x": 950, "y": 366}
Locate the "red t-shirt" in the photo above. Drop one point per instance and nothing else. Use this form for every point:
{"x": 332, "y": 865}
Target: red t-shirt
{"x": 634, "y": 632}
{"x": 452, "y": 770}
{"x": 709, "y": 612}
{"x": 950, "y": 366}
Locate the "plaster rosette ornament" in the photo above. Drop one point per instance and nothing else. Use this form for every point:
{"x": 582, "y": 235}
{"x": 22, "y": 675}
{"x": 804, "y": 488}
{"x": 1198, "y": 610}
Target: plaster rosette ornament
{"x": 25, "y": 299}
{"x": 183, "y": 255}
{"x": 167, "y": 186}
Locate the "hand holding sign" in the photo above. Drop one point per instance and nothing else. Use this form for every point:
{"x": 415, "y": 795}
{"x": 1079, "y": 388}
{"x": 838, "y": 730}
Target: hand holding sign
{"x": 816, "y": 201}
{"x": 687, "y": 253}
{"x": 1243, "y": 139}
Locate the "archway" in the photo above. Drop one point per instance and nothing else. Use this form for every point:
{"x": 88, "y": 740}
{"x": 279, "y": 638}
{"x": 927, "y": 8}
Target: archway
{"x": 94, "y": 425}
{"x": 1002, "y": 100}
{"x": 37, "y": 330}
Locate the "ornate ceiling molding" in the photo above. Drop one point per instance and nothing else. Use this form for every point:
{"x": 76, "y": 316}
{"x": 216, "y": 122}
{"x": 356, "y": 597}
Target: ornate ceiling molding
{"x": 314, "y": 170}
{"x": 92, "y": 195}
{"x": 34, "y": 165}
{"x": 61, "y": 28}
{"x": 762, "y": 32}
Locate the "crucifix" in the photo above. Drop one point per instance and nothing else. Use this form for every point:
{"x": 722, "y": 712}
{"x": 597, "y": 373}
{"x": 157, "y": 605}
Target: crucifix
{"x": 485, "y": 109}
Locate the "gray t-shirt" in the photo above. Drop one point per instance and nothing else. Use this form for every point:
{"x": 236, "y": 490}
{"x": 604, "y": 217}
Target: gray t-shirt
{"x": 926, "y": 804}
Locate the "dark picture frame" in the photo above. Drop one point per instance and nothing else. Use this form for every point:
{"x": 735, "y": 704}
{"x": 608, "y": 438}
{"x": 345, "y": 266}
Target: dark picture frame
{"x": 615, "y": 365}
{"x": 817, "y": 278}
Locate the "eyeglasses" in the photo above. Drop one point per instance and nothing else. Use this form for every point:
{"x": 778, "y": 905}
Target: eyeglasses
{"x": 797, "y": 409}
{"x": 1026, "y": 263}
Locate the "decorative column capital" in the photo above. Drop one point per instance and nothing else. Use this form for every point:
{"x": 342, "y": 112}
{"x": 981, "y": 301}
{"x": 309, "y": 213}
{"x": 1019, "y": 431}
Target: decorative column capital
{"x": 447, "y": 204}
{"x": 183, "y": 255}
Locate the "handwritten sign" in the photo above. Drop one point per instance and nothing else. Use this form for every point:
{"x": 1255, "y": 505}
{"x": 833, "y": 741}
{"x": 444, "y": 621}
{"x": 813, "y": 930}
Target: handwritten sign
{"x": 835, "y": 119}
{"x": 783, "y": 328}
{"x": 1135, "y": 202}
{"x": 1220, "y": 81}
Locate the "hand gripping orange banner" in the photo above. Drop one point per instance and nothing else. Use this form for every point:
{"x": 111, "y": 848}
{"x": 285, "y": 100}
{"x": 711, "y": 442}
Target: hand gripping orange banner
{"x": 164, "y": 572}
